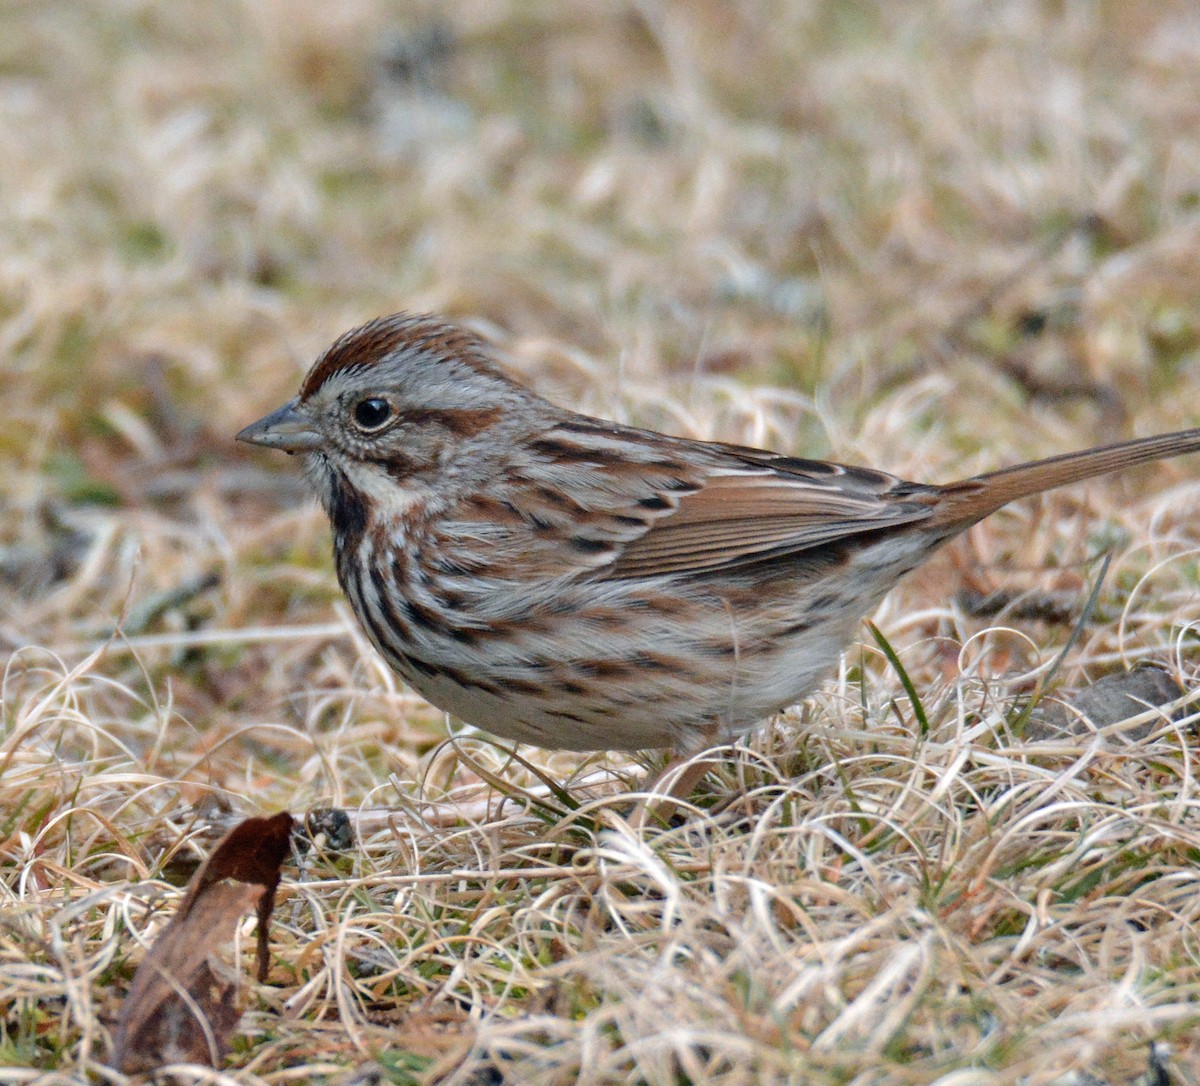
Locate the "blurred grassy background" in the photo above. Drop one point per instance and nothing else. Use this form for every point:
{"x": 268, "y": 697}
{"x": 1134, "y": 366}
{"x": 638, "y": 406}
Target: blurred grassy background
{"x": 935, "y": 237}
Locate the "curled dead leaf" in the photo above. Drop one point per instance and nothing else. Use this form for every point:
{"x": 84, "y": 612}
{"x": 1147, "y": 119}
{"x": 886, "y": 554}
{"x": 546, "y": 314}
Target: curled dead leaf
{"x": 179, "y": 1009}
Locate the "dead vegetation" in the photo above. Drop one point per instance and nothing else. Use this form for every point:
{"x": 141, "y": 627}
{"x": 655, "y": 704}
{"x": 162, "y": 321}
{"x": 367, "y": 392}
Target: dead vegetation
{"x": 936, "y": 238}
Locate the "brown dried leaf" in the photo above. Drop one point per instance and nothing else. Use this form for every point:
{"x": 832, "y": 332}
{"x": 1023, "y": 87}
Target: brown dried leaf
{"x": 178, "y": 1009}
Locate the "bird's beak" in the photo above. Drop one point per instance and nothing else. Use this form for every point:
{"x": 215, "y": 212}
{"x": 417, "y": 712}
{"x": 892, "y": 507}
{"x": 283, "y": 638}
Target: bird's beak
{"x": 289, "y": 429}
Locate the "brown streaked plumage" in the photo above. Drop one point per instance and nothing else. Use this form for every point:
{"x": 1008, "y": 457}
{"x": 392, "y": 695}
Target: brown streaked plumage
{"x": 565, "y": 581}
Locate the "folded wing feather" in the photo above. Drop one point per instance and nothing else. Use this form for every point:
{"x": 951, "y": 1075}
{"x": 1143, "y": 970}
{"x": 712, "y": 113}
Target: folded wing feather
{"x": 748, "y": 512}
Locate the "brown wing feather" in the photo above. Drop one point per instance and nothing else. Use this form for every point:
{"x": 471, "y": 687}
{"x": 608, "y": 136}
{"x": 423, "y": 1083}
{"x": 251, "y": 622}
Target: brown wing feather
{"x": 741, "y": 516}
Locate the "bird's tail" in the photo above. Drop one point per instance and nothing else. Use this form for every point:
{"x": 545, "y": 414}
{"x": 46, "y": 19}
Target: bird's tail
{"x": 969, "y": 500}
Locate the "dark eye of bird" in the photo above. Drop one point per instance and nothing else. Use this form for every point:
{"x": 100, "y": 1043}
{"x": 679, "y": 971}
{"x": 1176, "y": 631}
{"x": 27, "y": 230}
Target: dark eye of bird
{"x": 372, "y": 413}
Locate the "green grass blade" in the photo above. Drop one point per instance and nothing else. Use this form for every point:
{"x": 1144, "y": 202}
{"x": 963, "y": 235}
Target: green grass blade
{"x": 902, "y": 675}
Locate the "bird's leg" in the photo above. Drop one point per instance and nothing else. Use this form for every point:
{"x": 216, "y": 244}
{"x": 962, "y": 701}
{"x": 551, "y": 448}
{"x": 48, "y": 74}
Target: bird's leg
{"x": 675, "y": 781}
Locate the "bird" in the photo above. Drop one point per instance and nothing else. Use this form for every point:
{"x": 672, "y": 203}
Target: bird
{"x": 574, "y": 583}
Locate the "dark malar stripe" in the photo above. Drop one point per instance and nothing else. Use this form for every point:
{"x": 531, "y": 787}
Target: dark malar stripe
{"x": 347, "y": 511}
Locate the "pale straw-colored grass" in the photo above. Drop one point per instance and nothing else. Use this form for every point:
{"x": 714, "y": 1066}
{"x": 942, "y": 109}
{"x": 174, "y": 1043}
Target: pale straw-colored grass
{"x": 936, "y": 238}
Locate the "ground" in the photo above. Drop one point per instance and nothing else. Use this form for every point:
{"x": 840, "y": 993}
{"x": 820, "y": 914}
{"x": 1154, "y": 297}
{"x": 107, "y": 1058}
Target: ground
{"x": 936, "y": 238}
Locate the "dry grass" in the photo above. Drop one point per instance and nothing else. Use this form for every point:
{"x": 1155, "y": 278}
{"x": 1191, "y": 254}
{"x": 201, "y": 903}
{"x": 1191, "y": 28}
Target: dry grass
{"x": 935, "y": 237}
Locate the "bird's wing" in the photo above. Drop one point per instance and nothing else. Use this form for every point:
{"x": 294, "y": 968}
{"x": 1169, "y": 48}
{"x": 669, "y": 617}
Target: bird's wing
{"x": 625, "y": 503}
{"x": 740, "y": 517}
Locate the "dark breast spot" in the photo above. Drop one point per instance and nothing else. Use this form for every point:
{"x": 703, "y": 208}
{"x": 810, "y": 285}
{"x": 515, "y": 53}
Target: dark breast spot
{"x": 425, "y": 617}
{"x": 395, "y": 630}
{"x": 449, "y": 598}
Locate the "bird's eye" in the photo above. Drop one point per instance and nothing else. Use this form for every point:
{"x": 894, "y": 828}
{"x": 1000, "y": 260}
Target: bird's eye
{"x": 370, "y": 414}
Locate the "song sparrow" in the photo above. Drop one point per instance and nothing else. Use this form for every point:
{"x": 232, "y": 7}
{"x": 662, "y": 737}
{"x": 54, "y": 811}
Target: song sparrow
{"x": 569, "y": 582}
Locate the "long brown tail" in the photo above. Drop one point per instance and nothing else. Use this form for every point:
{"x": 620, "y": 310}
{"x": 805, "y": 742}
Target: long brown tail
{"x": 973, "y": 499}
